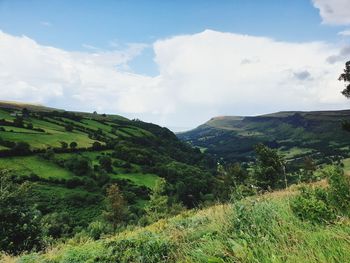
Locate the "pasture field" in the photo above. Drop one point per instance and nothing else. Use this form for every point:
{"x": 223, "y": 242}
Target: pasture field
{"x": 26, "y": 165}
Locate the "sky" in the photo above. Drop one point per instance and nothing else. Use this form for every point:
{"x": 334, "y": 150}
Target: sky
{"x": 175, "y": 63}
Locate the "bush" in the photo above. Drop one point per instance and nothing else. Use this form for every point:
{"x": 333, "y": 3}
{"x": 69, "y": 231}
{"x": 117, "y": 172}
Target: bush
{"x": 320, "y": 205}
{"x": 98, "y": 228}
{"x": 339, "y": 188}
{"x": 19, "y": 219}
{"x": 146, "y": 247}
{"x": 21, "y": 148}
{"x": 313, "y": 205}
{"x": 57, "y": 224}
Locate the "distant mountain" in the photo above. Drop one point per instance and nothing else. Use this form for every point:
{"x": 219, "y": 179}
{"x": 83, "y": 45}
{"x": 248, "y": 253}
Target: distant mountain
{"x": 296, "y": 134}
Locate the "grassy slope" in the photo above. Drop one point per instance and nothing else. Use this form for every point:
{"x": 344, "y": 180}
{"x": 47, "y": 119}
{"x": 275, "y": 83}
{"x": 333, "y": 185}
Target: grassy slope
{"x": 134, "y": 176}
{"x": 34, "y": 164}
{"x": 259, "y": 229}
{"x": 148, "y": 180}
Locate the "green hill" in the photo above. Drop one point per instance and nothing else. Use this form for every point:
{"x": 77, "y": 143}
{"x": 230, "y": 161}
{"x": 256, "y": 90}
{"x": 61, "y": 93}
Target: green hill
{"x": 257, "y": 229}
{"x": 61, "y": 152}
{"x": 317, "y": 134}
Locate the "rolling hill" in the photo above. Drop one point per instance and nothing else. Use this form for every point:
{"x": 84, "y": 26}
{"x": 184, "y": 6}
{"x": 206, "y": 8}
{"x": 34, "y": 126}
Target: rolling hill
{"x": 318, "y": 134}
{"x": 71, "y": 157}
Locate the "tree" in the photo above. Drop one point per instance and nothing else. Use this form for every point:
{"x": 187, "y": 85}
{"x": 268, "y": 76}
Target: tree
{"x": 69, "y": 127}
{"x": 73, "y": 145}
{"x": 106, "y": 163}
{"x": 116, "y": 206}
{"x": 64, "y": 145}
{"x": 229, "y": 178}
{"x": 96, "y": 145}
{"x": 269, "y": 170}
{"x": 157, "y": 207}
{"x": 19, "y": 219}
{"x": 309, "y": 167}
{"x": 57, "y": 224}
{"x": 49, "y": 154}
{"x": 18, "y": 122}
{"x": 22, "y": 148}
{"x": 79, "y": 165}
{"x": 30, "y": 126}
{"x": 345, "y": 76}
{"x": 25, "y": 113}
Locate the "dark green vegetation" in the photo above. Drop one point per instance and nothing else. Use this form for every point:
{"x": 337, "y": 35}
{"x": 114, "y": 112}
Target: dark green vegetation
{"x": 295, "y": 134}
{"x": 263, "y": 228}
{"x": 69, "y": 159}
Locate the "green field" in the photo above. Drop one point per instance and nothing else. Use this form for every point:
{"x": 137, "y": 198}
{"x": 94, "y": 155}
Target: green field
{"x": 34, "y": 164}
{"x": 5, "y": 115}
{"x": 148, "y": 180}
{"x": 50, "y": 139}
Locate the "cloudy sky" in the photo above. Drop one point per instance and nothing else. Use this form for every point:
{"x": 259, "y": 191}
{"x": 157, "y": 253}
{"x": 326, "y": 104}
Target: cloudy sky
{"x": 175, "y": 63}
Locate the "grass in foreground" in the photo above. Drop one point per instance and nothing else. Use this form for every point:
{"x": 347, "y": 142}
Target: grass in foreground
{"x": 259, "y": 229}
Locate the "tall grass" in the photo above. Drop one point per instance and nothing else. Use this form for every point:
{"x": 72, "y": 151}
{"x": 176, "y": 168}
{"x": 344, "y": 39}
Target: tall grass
{"x": 259, "y": 229}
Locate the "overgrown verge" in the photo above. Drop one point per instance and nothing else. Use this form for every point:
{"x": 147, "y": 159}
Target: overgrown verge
{"x": 256, "y": 229}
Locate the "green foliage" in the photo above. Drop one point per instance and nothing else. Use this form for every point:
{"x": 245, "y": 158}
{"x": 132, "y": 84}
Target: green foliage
{"x": 99, "y": 228}
{"x": 106, "y": 163}
{"x": 69, "y": 127}
{"x": 262, "y": 229}
{"x": 345, "y": 76}
{"x": 64, "y": 145}
{"x": 73, "y": 145}
{"x": 19, "y": 219}
{"x": 56, "y": 225}
{"x": 269, "y": 171}
{"x": 146, "y": 247}
{"x": 21, "y": 148}
{"x": 79, "y": 165}
{"x": 339, "y": 188}
{"x": 313, "y": 205}
{"x": 233, "y": 182}
{"x": 157, "y": 207}
{"x": 116, "y": 211}
{"x": 191, "y": 182}
{"x": 321, "y": 205}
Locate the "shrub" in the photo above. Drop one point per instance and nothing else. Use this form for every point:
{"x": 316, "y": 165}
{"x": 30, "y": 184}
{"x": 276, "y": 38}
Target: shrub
{"x": 324, "y": 204}
{"x": 21, "y": 148}
{"x": 19, "y": 219}
{"x": 313, "y": 205}
{"x": 146, "y": 247}
{"x": 57, "y": 224}
{"x": 339, "y": 188}
{"x": 98, "y": 228}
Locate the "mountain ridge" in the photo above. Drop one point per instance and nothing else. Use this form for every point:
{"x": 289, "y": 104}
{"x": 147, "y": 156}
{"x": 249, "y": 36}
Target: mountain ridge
{"x": 232, "y": 138}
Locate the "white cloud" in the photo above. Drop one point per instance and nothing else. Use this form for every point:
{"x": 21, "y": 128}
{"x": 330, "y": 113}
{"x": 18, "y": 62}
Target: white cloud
{"x": 344, "y": 33}
{"x": 45, "y": 23}
{"x": 200, "y": 75}
{"x": 335, "y": 12}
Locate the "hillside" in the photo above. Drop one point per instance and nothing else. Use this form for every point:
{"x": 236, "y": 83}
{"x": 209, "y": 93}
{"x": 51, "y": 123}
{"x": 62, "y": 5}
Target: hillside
{"x": 71, "y": 157}
{"x": 257, "y": 229}
{"x": 317, "y": 134}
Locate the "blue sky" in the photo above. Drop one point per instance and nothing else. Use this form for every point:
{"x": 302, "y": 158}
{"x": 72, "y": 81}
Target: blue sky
{"x": 75, "y": 25}
{"x": 95, "y": 27}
